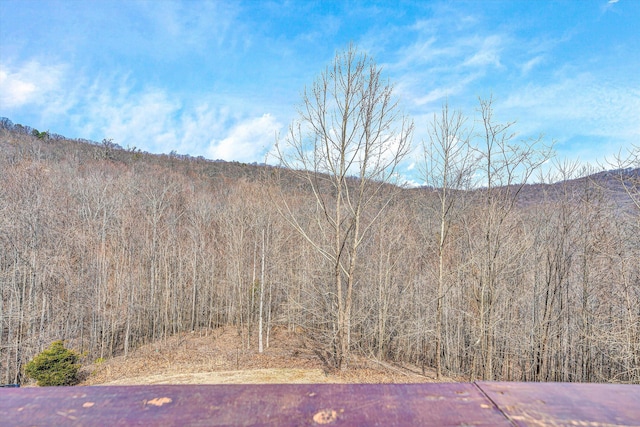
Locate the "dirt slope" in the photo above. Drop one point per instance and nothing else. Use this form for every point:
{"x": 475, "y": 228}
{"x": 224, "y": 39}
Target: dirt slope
{"x": 221, "y": 357}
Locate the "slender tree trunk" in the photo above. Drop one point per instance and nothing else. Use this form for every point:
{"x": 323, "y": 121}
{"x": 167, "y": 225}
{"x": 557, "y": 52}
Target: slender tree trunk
{"x": 260, "y": 310}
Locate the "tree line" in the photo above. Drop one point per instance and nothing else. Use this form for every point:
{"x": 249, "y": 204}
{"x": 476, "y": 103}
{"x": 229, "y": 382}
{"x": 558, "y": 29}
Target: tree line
{"x": 478, "y": 274}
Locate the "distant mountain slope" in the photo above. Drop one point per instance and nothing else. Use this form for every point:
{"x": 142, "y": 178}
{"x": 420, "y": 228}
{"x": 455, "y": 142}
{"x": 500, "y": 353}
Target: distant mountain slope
{"x": 56, "y": 146}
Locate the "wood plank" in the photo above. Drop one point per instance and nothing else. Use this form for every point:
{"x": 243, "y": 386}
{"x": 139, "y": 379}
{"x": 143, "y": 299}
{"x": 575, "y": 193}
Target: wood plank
{"x": 566, "y": 404}
{"x": 268, "y": 404}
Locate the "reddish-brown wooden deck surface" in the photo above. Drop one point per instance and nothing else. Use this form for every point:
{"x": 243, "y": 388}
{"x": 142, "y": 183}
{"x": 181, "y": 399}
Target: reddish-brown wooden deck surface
{"x": 464, "y": 404}
{"x": 566, "y": 404}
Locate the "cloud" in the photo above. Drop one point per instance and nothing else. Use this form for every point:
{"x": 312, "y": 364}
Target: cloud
{"x": 144, "y": 120}
{"x": 442, "y": 64}
{"x": 247, "y": 140}
{"x": 149, "y": 118}
{"x": 530, "y": 64}
{"x": 578, "y": 108}
{"x": 203, "y": 26}
{"x": 153, "y": 121}
{"x": 32, "y": 83}
{"x": 485, "y": 52}
{"x": 441, "y": 93}
{"x": 610, "y": 5}
{"x": 411, "y": 183}
{"x": 14, "y": 91}
{"x": 577, "y": 99}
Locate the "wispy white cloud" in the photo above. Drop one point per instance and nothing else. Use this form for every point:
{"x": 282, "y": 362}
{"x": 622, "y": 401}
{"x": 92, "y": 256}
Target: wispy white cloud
{"x": 144, "y": 120}
{"x": 246, "y": 141}
{"x": 485, "y": 52}
{"x": 14, "y": 90}
{"x": 575, "y": 108}
{"x": 581, "y": 98}
{"x": 32, "y": 83}
{"x": 149, "y": 118}
{"x": 441, "y": 93}
{"x": 531, "y": 64}
{"x": 207, "y": 25}
{"x": 154, "y": 121}
{"x": 439, "y": 65}
{"x": 610, "y": 5}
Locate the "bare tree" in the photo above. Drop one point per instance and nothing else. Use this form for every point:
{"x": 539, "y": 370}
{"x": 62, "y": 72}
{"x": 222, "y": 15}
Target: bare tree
{"x": 627, "y": 168}
{"x": 347, "y": 144}
{"x": 448, "y": 167}
{"x": 505, "y": 165}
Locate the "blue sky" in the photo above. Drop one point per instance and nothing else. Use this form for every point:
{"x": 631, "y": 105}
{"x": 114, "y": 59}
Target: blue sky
{"x": 221, "y": 78}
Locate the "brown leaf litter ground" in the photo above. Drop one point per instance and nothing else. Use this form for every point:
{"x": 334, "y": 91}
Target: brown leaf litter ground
{"x": 221, "y": 357}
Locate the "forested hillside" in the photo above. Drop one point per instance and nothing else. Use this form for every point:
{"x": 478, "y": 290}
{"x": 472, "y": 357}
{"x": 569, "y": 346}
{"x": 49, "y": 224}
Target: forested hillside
{"x": 109, "y": 249}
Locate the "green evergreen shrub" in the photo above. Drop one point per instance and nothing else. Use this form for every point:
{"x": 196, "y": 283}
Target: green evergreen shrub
{"x": 56, "y": 366}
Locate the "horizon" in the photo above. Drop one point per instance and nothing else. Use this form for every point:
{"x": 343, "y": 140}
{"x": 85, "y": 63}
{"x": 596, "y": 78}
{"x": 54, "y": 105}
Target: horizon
{"x": 222, "y": 80}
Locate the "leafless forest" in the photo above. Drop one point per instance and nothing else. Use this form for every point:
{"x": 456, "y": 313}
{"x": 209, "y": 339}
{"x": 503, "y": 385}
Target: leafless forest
{"x": 478, "y": 275}
{"x": 109, "y": 249}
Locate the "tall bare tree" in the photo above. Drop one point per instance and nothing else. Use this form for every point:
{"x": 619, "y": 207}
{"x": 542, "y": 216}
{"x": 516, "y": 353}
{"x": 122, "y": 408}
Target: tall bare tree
{"x": 347, "y": 144}
{"x": 448, "y": 167}
{"x": 506, "y": 165}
